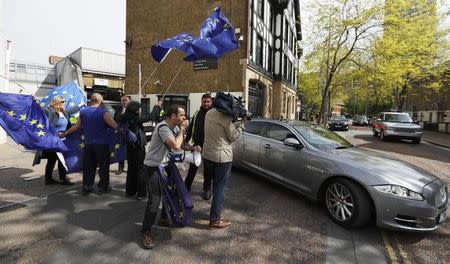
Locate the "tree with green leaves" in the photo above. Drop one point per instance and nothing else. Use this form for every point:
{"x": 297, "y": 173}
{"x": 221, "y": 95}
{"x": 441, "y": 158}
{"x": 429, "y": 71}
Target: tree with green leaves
{"x": 341, "y": 29}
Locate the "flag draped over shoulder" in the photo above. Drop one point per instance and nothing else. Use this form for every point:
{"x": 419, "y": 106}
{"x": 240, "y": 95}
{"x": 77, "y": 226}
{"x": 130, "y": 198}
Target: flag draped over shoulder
{"x": 26, "y": 123}
{"x": 216, "y": 38}
{"x": 75, "y": 144}
{"x": 73, "y": 94}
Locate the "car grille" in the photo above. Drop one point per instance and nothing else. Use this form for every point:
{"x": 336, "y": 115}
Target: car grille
{"x": 404, "y": 130}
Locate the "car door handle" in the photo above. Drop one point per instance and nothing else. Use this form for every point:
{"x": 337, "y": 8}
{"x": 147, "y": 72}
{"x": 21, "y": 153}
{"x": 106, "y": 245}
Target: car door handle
{"x": 267, "y": 146}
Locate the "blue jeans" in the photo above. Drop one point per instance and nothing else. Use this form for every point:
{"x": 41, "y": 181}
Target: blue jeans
{"x": 219, "y": 173}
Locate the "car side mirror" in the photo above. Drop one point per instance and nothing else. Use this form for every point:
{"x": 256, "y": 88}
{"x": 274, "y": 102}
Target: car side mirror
{"x": 292, "y": 142}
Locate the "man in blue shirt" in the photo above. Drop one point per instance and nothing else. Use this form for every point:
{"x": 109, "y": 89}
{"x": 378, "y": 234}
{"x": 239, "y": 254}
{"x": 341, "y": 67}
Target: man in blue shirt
{"x": 95, "y": 122}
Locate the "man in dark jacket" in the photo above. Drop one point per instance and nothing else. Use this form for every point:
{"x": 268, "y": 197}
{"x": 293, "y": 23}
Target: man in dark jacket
{"x": 196, "y": 133}
{"x": 124, "y": 100}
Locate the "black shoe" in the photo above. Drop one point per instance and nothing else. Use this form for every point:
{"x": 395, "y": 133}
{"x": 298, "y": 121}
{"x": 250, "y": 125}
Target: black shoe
{"x": 51, "y": 182}
{"x": 206, "y": 195}
{"x": 66, "y": 182}
{"x": 102, "y": 190}
{"x": 119, "y": 172}
{"x": 86, "y": 190}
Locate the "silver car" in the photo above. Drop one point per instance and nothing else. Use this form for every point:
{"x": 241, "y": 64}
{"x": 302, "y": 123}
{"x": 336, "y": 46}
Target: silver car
{"x": 354, "y": 184}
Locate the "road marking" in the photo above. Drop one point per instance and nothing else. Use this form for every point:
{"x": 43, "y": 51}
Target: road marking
{"x": 390, "y": 250}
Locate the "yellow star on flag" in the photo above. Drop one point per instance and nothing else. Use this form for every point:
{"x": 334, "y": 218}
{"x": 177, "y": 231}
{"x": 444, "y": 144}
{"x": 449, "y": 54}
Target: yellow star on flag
{"x": 82, "y": 137}
{"x": 46, "y": 97}
{"x": 40, "y": 133}
{"x": 42, "y": 104}
{"x": 117, "y": 146}
{"x": 32, "y": 122}
{"x": 82, "y": 145}
{"x": 72, "y": 104}
{"x": 64, "y": 92}
{"x": 41, "y": 126}
{"x": 11, "y": 113}
{"x": 112, "y": 154}
{"x": 23, "y": 117}
{"x": 55, "y": 92}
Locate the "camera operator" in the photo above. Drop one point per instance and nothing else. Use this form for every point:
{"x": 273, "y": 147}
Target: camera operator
{"x": 220, "y": 132}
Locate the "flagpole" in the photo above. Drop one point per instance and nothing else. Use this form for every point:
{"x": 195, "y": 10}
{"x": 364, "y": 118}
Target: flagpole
{"x": 151, "y": 75}
{"x": 140, "y": 82}
{"x": 164, "y": 95}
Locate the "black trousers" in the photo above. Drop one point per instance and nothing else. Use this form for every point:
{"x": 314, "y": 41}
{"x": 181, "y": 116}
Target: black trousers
{"x": 191, "y": 175}
{"x": 96, "y": 154}
{"x": 51, "y": 160}
{"x": 154, "y": 197}
{"x": 135, "y": 175}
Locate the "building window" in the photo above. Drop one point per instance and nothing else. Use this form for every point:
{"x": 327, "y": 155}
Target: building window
{"x": 259, "y": 50}
{"x": 21, "y": 68}
{"x": 286, "y": 30}
{"x": 270, "y": 60}
{"x": 271, "y": 24}
{"x": 285, "y": 66}
{"x": 260, "y": 8}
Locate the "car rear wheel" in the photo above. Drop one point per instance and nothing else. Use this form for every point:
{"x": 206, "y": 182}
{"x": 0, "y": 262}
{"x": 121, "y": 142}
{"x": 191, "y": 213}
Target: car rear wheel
{"x": 375, "y": 133}
{"x": 347, "y": 203}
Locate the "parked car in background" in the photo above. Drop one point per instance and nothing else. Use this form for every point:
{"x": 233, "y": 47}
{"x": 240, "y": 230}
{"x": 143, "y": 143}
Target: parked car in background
{"x": 396, "y": 125}
{"x": 360, "y": 120}
{"x": 111, "y": 106}
{"x": 338, "y": 123}
{"x": 354, "y": 184}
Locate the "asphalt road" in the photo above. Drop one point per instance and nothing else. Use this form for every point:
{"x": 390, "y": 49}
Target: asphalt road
{"x": 55, "y": 224}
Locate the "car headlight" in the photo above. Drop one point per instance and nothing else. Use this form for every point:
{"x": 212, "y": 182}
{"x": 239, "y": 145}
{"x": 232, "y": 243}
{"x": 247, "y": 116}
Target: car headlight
{"x": 399, "y": 191}
{"x": 389, "y": 128}
{"x": 345, "y": 123}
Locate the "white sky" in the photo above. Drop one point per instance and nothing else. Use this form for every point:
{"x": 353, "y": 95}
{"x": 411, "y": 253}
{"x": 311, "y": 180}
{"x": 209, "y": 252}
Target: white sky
{"x": 40, "y": 28}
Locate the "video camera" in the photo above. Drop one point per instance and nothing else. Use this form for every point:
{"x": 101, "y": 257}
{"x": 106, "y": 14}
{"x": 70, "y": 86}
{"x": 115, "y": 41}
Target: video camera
{"x": 231, "y": 105}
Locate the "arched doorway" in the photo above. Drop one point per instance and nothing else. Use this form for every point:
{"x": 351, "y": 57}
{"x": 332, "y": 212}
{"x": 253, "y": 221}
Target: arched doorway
{"x": 256, "y": 98}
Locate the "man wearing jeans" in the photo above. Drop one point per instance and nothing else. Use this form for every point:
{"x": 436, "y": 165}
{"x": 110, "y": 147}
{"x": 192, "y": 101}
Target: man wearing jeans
{"x": 167, "y": 136}
{"x": 217, "y": 154}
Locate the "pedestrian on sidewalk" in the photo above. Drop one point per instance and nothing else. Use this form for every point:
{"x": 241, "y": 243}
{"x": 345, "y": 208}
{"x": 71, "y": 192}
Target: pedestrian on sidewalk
{"x": 168, "y": 136}
{"x": 135, "y": 183}
{"x": 196, "y": 134}
{"x": 124, "y": 100}
{"x": 58, "y": 117}
{"x": 220, "y": 132}
{"x": 95, "y": 122}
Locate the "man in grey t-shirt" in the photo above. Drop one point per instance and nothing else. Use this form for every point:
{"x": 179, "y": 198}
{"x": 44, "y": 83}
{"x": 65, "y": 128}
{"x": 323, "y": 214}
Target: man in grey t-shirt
{"x": 167, "y": 136}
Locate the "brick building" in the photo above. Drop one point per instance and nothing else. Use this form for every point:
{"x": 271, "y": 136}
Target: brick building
{"x": 263, "y": 70}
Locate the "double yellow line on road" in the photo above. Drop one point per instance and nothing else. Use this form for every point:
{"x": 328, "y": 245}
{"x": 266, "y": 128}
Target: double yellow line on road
{"x": 392, "y": 255}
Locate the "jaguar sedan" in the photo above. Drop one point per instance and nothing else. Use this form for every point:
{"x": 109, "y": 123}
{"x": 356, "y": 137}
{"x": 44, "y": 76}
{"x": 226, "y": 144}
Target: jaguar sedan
{"x": 354, "y": 184}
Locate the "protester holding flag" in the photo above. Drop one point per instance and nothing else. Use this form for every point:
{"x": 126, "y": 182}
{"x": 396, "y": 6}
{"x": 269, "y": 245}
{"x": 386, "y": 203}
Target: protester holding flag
{"x": 135, "y": 183}
{"x": 124, "y": 100}
{"x": 95, "y": 122}
{"x": 168, "y": 136}
{"x": 59, "y": 120}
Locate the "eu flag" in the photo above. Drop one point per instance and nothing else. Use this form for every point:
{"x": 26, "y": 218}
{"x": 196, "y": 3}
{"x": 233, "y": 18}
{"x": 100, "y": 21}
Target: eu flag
{"x": 73, "y": 157}
{"x": 26, "y": 123}
{"x": 216, "y": 38}
{"x": 70, "y": 91}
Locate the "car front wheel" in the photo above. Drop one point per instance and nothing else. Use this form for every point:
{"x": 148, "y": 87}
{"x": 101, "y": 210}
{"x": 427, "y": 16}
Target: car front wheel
{"x": 382, "y": 136}
{"x": 347, "y": 203}
{"x": 416, "y": 141}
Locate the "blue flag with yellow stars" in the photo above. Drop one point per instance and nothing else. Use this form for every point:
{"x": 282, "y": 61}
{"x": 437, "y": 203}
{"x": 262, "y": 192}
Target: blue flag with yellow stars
{"x": 26, "y": 123}
{"x": 73, "y": 157}
{"x": 71, "y": 92}
{"x": 217, "y": 37}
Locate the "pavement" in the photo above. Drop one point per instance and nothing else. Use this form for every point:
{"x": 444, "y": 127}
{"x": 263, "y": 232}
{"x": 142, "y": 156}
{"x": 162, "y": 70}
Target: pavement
{"x": 437, "y": 138}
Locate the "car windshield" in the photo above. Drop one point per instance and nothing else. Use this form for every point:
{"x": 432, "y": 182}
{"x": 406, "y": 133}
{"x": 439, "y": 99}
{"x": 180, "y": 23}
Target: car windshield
{"x": 320, "y": 137}
{"x": 361, "y": 118}
{"x": 337, "y": 118}
{"x": 399, "y": 118}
